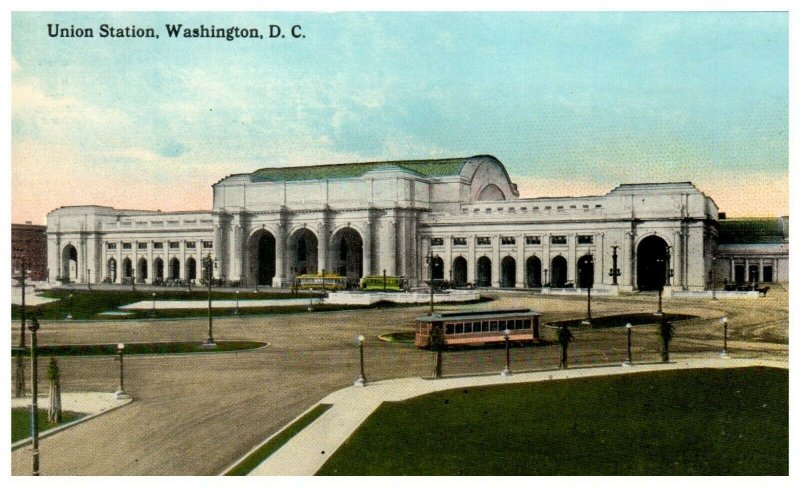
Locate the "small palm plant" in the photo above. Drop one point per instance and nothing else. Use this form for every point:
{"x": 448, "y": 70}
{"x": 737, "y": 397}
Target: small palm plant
{"x": 53, "y": 375}
{"x": 666, "y": 331}
{"x": 564, "y": 338}
{"x": 437, "y": 343}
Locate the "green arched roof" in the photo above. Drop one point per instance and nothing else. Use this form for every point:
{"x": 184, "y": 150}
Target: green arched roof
{"x": 423, "y": 167}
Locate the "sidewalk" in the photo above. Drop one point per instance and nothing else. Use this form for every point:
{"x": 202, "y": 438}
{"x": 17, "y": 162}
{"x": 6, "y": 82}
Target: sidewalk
{"x": 309, "y": 449}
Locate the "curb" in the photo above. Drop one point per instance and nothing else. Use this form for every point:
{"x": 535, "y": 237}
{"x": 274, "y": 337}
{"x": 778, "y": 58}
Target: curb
{"x": 53, "y": 431}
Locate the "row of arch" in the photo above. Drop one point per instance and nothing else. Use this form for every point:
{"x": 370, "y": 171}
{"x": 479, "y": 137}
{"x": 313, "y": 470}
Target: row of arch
{"x": 345, "y": 257}
{"x": 556, "y": 275}
{"x": 173, "y": 269}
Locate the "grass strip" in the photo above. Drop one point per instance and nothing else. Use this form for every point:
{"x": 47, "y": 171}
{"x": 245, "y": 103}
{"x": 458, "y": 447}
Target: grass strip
{"x": 260, "y": 455}
{"x": 21, "y": 422}
{"x": 140, "y": 348}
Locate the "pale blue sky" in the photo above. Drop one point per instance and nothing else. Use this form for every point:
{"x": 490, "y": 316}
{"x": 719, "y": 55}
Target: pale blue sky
{"x": 570, "y": 102}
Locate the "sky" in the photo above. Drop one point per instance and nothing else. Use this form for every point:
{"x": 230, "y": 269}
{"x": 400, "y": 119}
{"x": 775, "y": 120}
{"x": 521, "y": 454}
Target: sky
{"x": 571, "y": 103}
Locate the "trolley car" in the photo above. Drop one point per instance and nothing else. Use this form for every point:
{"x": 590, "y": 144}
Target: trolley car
{"x": 383, "y": 283}
{"x": 328, "y": 281}
{"x": 479, "y": 327}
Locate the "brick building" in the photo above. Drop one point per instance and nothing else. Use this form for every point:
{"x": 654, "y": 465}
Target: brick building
{"x": 29, "y": 243}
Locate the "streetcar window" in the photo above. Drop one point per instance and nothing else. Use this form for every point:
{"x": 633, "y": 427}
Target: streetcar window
{"x": 503, "y": 325}
{"x": 527, "y": 323}
{"x": 467, "y": 326}
{"x": 448, "y": 329}
{"x": 485, "y": 326}
{"x": 493, "y": 325}
{"x": 459, "y": 328}
{"x": 518, "y": 324}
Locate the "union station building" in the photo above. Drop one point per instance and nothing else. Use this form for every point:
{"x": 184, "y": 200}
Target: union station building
{"x": 460, "y": 220}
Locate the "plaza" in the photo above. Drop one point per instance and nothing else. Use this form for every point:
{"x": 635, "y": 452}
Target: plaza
{"x": 198, "y": 414}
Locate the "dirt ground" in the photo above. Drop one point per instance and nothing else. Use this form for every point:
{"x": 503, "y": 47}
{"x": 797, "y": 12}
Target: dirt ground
{"x": 196, "y": 414}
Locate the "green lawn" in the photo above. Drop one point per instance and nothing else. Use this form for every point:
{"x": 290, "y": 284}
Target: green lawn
{"x": 88, "y": 305}
{"x": 21, "y": 421}
{"x": 140, "y": 348}
{"x": 689, "y": 422}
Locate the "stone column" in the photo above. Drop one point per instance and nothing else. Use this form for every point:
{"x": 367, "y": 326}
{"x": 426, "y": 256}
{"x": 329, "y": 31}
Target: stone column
{"x": 496, "y": 267}
{"x": 323, "y": 238}
{"x": 471, "y": 260}
{"x": 761, "y": 270}
{"x": 182, "y": 271}
{"x": 628, "y": 262}
{"x": 425, "y": 250}
{"x": 53, "y": 258}
{"x": 388, "y": 243}
{"x": 366, "y": 267}
{"x": 119, "y": 262}
{"x": 219, "y": 251}
{"x": 733, "y": 270}
{"x": 677, "y": 260}
{"x": 280, "y": 254}
{"x": 235, "y": 255}
{"x": 135, "y": 260}
{"x": 546, "y": 259}
{"x": 448, "y": 257}
{"x": 151, "y": 261}
{"x": 572, "y": 258}
{"x": 520, "y": 258}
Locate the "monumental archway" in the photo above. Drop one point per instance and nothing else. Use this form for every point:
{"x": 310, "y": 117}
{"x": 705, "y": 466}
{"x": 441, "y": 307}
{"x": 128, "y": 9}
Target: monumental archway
{"x": 262, "y": 257}
{"x": 651, "y": 263}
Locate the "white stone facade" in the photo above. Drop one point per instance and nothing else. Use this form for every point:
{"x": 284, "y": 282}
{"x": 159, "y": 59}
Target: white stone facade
{"x": 369, "y": 218}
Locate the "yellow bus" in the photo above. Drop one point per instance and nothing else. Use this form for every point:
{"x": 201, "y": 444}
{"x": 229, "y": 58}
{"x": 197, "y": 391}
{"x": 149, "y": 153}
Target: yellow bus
{"x": 381, "y": 283}
{"x": 329, "y": 281}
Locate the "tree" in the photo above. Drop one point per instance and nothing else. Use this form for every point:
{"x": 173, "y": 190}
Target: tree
{"x": 54, "y": 411}
{"x": 437, "y": 343}
{"x": 564, "y": 338}
{"x": 666, "y": 331}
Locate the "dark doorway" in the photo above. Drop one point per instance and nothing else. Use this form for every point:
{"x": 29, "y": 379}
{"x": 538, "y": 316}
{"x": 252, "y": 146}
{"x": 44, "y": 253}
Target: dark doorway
{"x": 484, "y": 274}
{"x": 586, "y": 271}
{"x": 459, "y": 271}
{"x": 533, "y": 272}
{"x": 437, "y": 268}
{"x": 651, "y": 264}
{"x": 558, "y": 272}
{"x": 174, "y": 268}
{"x": 768, "y": 273}
{"x": 348, "y": 249}
{"x": 508, "y": 278}
{"x": 158, "y": 269}
{"x": 752, "y": 275}
{"x": 738, "y": 274}
{"x": 191, "y": 269}
{"x": 262, "y": 258}
{"x": 141, "y": 270}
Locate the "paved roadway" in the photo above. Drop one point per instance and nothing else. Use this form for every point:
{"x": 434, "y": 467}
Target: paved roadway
{"x": 196, "y": 414}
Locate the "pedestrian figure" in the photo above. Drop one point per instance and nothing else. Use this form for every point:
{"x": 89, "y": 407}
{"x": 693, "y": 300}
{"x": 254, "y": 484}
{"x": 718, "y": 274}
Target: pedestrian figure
{"x": 666, "y": 331}
{"x": 54, "y": 411}
{"x": 564, "y": 338}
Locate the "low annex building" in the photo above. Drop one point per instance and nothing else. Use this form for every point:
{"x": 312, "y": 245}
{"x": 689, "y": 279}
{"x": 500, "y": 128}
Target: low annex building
{"x": 271, "y": 225}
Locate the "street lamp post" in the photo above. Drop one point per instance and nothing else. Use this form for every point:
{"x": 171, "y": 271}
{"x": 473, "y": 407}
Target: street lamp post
{"x": 628, "y": 362}
{"x": 120, "y": 393}
{"x": 507, "y": 370}
{"x": 236, "y": 311}
{"x": 724, "y": 353}
{"x": 89, "y": 287}
{"x": 713, "y": 280}
{"x": 432, "y": 283}
{"x": 311, "y": 299}
{"x": 20, "y": 376}
{"x": 384, "y": 280}
{"x": 69, "y": 307}
{"x": 34, "y": 396}
{"x": 589, "y": 284}
{"x": 362, "y": 380}
{"x": 153, "y": 311}
{"x": 614, "y": 270}
{"x": 209, "y": 343}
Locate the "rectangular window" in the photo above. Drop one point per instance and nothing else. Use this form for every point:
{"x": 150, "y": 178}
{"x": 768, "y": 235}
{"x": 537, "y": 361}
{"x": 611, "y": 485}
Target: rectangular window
{"x": 558, "y": 240}
{"x": 437, "y": 241}
{"x": 141, "y": 245}
{"x": 526, "y": 323}
{"x": 547, "y": 207}
{"x": 174, "y": 244}
{"x": 126, "y": 246}
{"x": 585, "y": 239}
{"x": 518, "y": 324}
{"x": 484, "y": 240}
{"x": 208, "y": 244}
{"x": 111, "y": 246}
{"x": 459, "y": 240}
{"x": 459, "y": 328}
{"x": 190, "y": 244}
{"x": 508, "y": 240}
{"x": 533, "y": 240}
{"x": 485, "y": 326}
{"x": 768, "y": 273}
{"x": 493, "y": 325}
{"x": 503, "y": 325}
{"x": 448, "y": 329}
{"x": 158, "y": 244}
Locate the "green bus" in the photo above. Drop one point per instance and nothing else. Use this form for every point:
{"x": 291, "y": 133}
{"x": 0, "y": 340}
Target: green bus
{"x": 381, "y": 283}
